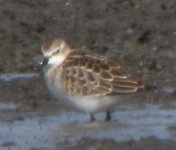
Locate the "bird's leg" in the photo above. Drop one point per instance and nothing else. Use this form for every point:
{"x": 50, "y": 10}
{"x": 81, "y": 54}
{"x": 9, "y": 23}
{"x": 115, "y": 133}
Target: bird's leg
{"x": 108, "y": 116}
{"x": 92, "y": 118}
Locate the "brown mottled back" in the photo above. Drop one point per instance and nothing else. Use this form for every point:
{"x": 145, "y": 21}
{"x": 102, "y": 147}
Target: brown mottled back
{"x": 86, "y": 75}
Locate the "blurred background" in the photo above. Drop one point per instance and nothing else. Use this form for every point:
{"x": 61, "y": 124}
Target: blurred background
{"x": 140, "y": 34}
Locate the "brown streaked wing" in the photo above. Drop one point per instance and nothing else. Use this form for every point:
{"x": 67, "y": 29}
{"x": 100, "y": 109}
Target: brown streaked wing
{"x": 125, "y": 85}
{"x": 96, "y": 76}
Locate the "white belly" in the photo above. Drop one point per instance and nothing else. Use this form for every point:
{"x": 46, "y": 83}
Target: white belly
{"x": 93, "y": 104}
{"x": 87, "y": 104}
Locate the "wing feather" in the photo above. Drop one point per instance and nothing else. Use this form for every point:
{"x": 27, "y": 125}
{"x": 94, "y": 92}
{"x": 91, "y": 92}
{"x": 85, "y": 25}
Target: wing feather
{"x": 85, "y": 74}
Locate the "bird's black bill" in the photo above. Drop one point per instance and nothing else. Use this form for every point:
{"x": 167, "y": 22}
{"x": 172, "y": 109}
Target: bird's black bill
{"x": 45, "y": 61}
{"x": 39, "y": 61}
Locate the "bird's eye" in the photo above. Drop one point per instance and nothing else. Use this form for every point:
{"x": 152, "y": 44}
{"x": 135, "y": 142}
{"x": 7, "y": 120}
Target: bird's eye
{"x": 57, "y": 51}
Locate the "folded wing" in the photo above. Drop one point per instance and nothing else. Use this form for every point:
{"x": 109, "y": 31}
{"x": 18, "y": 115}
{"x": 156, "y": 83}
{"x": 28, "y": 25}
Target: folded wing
{"x": 85, "y": 75}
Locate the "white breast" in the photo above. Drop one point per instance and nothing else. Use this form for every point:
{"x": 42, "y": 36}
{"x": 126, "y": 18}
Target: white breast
{"x": 52, "y": 79}
{"x": 87, "y": 104}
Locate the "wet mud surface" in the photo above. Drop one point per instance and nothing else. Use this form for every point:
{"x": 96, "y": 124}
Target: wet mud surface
{"x": 140, "y": 35}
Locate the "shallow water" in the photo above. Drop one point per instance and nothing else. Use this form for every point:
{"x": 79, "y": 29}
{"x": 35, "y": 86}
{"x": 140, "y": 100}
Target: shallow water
{"x": 48, "y": 132}
{"x": 10, "y": 77}
{"x": 8, "y": 106}
{"x": 29, "y": 130}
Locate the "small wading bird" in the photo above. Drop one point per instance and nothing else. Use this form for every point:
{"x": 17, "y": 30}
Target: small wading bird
{"x": 89, "y": 83}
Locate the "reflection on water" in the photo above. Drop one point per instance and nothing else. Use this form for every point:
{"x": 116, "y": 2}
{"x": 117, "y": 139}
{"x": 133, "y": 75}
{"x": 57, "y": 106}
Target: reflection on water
{"x": 31, "y": 131}
{"x": 9, "y": 77}
{"x": 47, "y": 132}
{"x": 8, "y": 106}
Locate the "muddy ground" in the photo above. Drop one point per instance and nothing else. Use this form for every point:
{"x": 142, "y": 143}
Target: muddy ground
{"x": 140, "y": 35}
